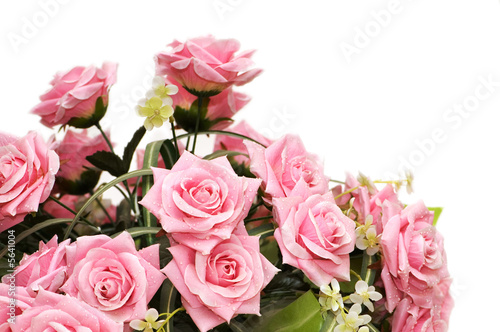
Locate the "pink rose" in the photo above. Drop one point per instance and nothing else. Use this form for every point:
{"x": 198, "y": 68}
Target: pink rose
{"x": 286, "y": 165}
{"x": 56, "y": 312}
{"x": 27, "y": 174}
{"x": 222, "y": 284}
{"x": 200, "y": 202}
{"x": 14, "y": 300}
{"x": 314, "y": 236}
{"x": 205, "y": 65}
{"x": 77, "y": 176}
{"x": 414, "y": 260}
{"x": 74, "y": 94}
{"x": 217, "y": 115}
{"x": 224, "y": 142}
{"x": 112, "y": 276}
{"x": 45, "y": 268}
{"x": 365, "y": 202}
{"x": 409, "y": 317}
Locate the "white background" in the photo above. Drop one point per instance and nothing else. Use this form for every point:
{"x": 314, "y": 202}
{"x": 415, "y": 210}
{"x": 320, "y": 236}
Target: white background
{"x": 375, "y": 110}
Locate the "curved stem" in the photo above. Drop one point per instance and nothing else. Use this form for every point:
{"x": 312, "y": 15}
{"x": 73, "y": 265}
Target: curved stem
{"x": 174, "y": 136}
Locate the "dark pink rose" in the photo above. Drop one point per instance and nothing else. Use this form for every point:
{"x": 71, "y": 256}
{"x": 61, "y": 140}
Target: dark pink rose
{"x": 77, "y": 175}
{"x": 314, "y": 236}
{"x": 27, "y": 174}
{"x": 200, "y": 202}
{"x": 222, "y": 284}
{"x": 205, "y": 65}
{"x": 112, "y": 276}
{"x": 225, "y": 142}
{"x": 409, "y": 317}
{"x": 414, "y": 260}
{"x": 56, "y": 312}
{"x": 74, "y": 94}
{"x": 46, "y": 268}
{"x": 286, "y": 165}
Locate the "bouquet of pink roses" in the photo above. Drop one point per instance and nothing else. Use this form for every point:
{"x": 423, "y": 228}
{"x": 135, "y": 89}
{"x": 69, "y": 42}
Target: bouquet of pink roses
{"x": 252, "y": 236}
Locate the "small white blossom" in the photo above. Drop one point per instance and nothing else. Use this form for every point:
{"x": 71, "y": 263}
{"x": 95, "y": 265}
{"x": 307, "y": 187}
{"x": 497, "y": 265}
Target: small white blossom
{"x": 352, "y": 321}
{"x": 369, "y": 242}
{"x": 149, "y": 323}
{"x": 330, "y": 297}
{"x": 364, "y": 295}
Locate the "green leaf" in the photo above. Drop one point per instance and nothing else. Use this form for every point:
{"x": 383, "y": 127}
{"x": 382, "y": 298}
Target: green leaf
{"x": 128, "y": 153}
{"x": 169, "y": 153}
{"x": 100, "y": 191}
{"x": 367, "y": 274}
{"x": 437, "y": 212}
{"x": 330, "y": 322}
{"x": 302, "y": 315}
{"x": 167, "y": 302}
{"x": 139, "y": 231}
{"x": 220, "y": 132}
{"x": 222, "y": 153}
{"x": 108, "y": 161}
{"x": 36, "y": 228}
{"x": 262, "y": 230}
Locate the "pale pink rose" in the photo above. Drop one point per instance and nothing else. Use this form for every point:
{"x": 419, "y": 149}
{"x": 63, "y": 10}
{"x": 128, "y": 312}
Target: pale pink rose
{"x": 409, "y": 317}
{"x": 27, "y": 174}
{"x": 46, "y": 268}
{"x": 74, "y": 94}
{"x": 225, "y": 142}
{"x": 221, "y": 108}
{"x": 314, "y": 236}
{"x": 112, "y": 276}
{"x": 205, "y": 65}
{"x": 78, "y": 176}
{"x": 365, "y": 202}
{"x": 218, "y": 286}
{"x": 14, "y": 300}
{"x": 414, "y": 260}
{"x": 286, "y": 165}
{"x": 200, "y": 202}
{"x": 56, "y": 312}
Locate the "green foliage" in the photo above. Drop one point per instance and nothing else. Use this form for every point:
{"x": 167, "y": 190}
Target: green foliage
{"x": 437, "y": 213}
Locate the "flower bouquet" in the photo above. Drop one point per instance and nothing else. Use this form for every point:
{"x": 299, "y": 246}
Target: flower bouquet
{"x": 250, "y": 237}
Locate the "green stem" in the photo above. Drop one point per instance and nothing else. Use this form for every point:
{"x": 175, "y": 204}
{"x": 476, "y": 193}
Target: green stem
{"x": 105, "y": 137}
{"x": 354, "y": 273}
{"x": 197, "y": 127}
{"x": 169, "y": 315}
{"x": 71, "y": 210}
{"x": 346, "y": 192}
{"x": 172, "y": 126}
{"x": 337, "y": 181}
{"x": 104, "y": 210}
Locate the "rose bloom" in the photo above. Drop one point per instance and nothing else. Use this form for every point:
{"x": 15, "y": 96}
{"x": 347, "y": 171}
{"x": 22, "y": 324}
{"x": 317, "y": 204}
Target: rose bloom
{"x": 314, "y": 236}
{"x": 205, "y": 65}
{"x": 222, "y": 284}
{"x": 409, "y": 317}
{"x": 74, "y": 94}
{"x": 27, "y": 174}
{"x": 365, "y": 202}
{"x": 12, "y": 306}
{"x": 112, "y": 276}
{"x": 225, "y": 142}
{"x": 56, "y": 312}
{"x": 285, "y": 167}
{"x": 75, "y": 175}
{"x": 46, "y": 268}
{"x": 200, "y": 202}
{"x": 221, "y": 108}
{"x": 414, "y": 260}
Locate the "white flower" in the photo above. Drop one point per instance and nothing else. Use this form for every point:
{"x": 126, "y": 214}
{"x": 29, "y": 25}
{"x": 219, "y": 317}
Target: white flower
{"x": 150, "y": 322}
{"x": 330, "y": 297}
{"x": 364, "y": 295}
{"x": 368, "y": 241}
{"x": 352, "y": 321}
{"x": 161, "y": 90}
